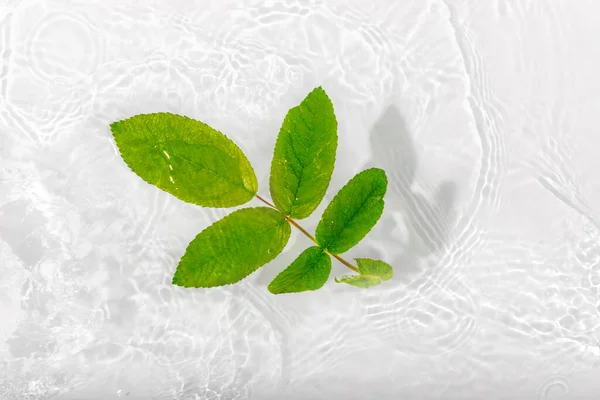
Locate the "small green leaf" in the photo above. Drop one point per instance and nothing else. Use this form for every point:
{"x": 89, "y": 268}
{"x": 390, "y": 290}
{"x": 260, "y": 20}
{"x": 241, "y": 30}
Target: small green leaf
{"x": 381, "y": 269}
{"x": 186, "y": 158}
{"x": 308, "y": 272}
{"x": 233, "y": 247}
{"x": 304, "y": 156}
{"x": 372, "y": 273}
{"x": 361, "y": 281}
{"x": 353, "y": 212}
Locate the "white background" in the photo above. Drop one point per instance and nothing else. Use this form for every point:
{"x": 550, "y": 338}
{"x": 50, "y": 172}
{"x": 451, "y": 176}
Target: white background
{"x": 484, "y": 114}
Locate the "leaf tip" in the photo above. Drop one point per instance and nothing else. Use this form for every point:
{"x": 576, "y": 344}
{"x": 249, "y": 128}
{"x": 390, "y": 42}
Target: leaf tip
{"x": 319, "y": 91}
{"x": 178, "y": 280}
{"x": 114, "y": 126}
{"x": 273, "y": 290}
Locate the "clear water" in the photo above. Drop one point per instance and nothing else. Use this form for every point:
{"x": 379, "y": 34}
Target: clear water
{"x": 483, "y": 113}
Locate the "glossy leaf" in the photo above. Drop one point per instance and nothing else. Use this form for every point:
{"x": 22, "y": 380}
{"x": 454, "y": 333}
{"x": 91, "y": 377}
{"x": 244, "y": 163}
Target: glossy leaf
{"x": 309, "y": 271}
{"x": 233, "y": 247}
{"x": 186, "y": 158}
{"x": 304, "y": 156}
{"x": 353, "y": 212}
{"x": 372, "y": 273}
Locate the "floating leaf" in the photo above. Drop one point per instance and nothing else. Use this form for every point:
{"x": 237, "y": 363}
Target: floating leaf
{"x": 186, "y": 158}
{"x": 361, "y": 281}
{"x": 368, "y": 266}
{"x": 304, "y": 156}
{"x": 308, "y": 272}
{"x": 353, "y": 212}
{"x": 372, "y": 273}
{"x": 233, "y": 247}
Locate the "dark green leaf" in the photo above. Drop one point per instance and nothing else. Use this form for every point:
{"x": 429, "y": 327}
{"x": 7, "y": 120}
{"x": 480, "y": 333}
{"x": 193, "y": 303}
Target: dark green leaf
{"x": 304, "y": 156}
{"x": 353, "y": 212}
{"x": 372, "y": 273}
{"x": 308, "y": 272}
{"x": 233, "y": 247}
{"x": 186, "y": 158}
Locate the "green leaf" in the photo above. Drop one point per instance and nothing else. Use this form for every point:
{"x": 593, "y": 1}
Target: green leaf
{"x": 304, "y": 156}
{"x": 233, "y": 247}
{"x": 378, "y": 268}
{"x": 186, "y": 158}
{"x": 308, "y": 272}
{"x": 372, "y": 273}
{"x": 353, "y": 212}
{"x": 361, "y": 281}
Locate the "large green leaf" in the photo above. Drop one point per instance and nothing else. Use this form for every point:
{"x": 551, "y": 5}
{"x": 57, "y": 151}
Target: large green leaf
{"x": 304, "y": 156}
{"x": 186, "y": 158}
{"x": 233, "y": 247}
{"x": 372, "y": 273}
{"x": 353, "y": 212}
{"x": 308, "y": 272}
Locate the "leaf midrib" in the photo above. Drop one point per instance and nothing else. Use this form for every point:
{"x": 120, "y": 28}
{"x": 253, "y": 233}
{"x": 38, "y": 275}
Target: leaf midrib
{"x": 242, "y": 242}
{"x": 174, "y": 153}
{"x": 362, "y": 205}
{"x": 309, "y": 135}
{"x": 314, "y": 265}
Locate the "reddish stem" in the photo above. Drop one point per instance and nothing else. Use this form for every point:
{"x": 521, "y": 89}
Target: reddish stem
{"x": 311, "y": 237}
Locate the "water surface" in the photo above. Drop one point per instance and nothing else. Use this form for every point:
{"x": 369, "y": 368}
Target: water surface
{"x": 483, "y": 114}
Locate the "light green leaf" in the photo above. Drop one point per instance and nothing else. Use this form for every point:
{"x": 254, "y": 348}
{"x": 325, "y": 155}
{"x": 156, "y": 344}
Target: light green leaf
{"x": 304, "y": 156}
{"x": 186, "y": 158}
{"x": 308, "y": 272}
{"x": 381, "y": 269}
{"x": 372, "y": 273}
{"x": 233, "y": 247}
{"x": 361, "y": 281}
{"x": 353, "y": 212}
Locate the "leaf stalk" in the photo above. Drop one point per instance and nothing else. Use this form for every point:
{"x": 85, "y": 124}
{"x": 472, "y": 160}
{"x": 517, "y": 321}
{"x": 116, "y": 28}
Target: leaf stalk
{"x": 311, "y": 237}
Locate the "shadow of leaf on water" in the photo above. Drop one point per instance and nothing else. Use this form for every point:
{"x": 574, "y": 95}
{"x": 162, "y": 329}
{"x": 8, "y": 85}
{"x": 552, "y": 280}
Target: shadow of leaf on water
{"x": 428, "y": 222}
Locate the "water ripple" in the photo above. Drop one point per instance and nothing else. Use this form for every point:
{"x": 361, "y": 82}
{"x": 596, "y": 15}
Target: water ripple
{"x": 556, "y": 387}
{"x": 88, "y": 249}
{"x": 425, "y": 326}
{"x": 63, "y": 45}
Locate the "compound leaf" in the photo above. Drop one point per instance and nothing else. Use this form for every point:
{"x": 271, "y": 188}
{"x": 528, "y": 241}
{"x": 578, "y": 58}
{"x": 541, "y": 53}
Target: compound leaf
{"x": 233, "y": 247}
{"x": 186, "y": 158}
{"x": 304, "y": 156}
{"x": 353, "y": 212}
{"x": 309, "y": 271}
{"x": 371, "y": 273}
